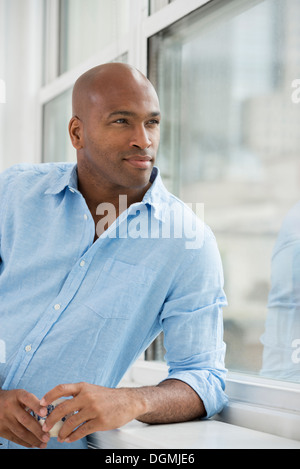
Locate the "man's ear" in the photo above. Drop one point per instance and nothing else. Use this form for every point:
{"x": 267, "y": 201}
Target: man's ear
{"x": 76, "y": 132}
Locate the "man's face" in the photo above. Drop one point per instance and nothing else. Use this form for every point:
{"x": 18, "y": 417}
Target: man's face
{"x": 120, "y": 131}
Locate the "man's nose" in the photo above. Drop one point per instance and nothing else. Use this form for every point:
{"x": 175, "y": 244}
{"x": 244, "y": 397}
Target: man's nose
{"x": 140, "y": 138}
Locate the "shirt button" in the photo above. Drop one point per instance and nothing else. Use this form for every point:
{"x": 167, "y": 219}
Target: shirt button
{"x": 28, "y": 348}
{"x": 85, "y": 216}
{"x": 57, "y": 306}
{"x": 82, "y": 263}
{"x": 71, "y": 190}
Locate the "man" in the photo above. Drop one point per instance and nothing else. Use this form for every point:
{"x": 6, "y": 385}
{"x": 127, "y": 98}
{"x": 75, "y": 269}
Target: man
{"x": 89, "y": 277}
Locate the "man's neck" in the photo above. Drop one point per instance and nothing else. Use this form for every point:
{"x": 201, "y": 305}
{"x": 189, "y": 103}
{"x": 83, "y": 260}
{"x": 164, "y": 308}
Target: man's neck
{"x": 99, "y": 201}
{"x": 95, "y": 196}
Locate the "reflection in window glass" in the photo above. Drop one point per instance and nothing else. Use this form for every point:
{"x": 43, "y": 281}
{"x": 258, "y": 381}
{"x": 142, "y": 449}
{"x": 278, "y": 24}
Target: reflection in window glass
{"x": 86, "y": 26}
{"x": 230, "y": 139}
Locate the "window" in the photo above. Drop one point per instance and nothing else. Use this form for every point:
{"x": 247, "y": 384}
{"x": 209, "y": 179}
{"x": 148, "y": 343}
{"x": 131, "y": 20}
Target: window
{"x": 56, "y": 142}
{"x": 230, "y": 139}
{"x": 88, "y": 26}
{"x": 156, "y": 5}
{"x": 57, "y": 112}
{"x": 225, "y": 73}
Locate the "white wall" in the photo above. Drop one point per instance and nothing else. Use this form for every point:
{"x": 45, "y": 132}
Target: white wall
{"x": 21, "y": 29}
{"x": 2, "y": 76}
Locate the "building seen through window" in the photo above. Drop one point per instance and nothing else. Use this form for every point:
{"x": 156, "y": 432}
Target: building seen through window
{"x": 230, "y": 139}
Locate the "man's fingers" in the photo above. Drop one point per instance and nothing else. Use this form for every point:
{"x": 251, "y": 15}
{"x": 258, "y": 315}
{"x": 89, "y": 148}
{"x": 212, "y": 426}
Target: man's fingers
{"x": 27, "y": 428}
{"x": 28, "y": 422}
{"x": 62, "y": 390}
{"x": 18, "y": 441}
{"x": 23, "y": 436}
{"x": 16, "y": 422}
{"x": 82, "y": 431}
{"x": 64, "y": 409}
{"x": 30, "y": 401}
{"x": 78, "y": 419}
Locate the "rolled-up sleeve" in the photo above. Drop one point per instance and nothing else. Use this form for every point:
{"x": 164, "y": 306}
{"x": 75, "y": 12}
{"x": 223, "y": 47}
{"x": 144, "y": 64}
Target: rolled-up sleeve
{"x": 192, "y": 321}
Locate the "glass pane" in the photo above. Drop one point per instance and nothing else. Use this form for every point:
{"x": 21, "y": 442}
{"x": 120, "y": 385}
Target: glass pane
{"x": 156, "y": 5}
{"x": 86, "y": 26}
{"x": 57, "y": 113}
{"x": 56, "y": 142}
{"x": 230, "y": 140}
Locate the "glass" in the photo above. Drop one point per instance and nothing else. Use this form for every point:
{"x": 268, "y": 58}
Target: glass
{"x": 57, "y": 113}
{"x": 156, "y": 5}
{"x": 86, "y": 26}
{"x": 230, "y": 140}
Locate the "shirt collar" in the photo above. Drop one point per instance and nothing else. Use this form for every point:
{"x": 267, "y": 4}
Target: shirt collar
{"x": 64, "y": 176}
{"x": 157, "y": 195}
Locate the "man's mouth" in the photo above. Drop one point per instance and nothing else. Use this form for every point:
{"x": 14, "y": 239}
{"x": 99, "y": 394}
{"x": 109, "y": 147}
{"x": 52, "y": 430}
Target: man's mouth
{"x": 141, "y": 162}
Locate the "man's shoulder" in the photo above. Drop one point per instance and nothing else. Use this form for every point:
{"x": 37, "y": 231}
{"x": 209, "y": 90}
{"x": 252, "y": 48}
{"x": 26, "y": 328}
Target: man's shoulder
{"x": 33, "y": 173}
{"x": 289, "y": 233}
{"x": 186, "y": 222}
{"x": 35, "y": 169}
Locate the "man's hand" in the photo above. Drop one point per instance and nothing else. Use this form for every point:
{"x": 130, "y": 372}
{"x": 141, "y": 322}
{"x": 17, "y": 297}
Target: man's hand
{"x": 99, "y": 408}
{"x": 16, "y": 423}
{"x": 96, "y": 408}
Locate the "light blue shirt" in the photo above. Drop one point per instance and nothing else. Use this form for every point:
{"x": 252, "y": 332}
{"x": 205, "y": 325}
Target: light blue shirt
{"x": 281, "y": 354}
{"x": 77, "y": 310}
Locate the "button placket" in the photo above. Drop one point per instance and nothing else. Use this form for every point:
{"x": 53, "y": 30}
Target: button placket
{"x": 37, "y": 335}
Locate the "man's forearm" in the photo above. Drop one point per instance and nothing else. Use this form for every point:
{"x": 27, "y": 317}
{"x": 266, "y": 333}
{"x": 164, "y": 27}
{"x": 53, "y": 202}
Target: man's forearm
{"x": 170, "y": 401}
{"x": 97, "y": 408}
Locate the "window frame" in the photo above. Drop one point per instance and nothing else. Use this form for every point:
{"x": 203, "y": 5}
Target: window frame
{"x": 254, "y": 402}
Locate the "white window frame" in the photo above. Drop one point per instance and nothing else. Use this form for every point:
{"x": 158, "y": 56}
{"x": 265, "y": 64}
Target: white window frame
{"x": 254, "y": 402}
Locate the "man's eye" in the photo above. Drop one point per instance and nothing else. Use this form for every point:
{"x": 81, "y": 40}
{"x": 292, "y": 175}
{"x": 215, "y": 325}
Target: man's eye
{"x": 121, "y": 121}
{"x": 154, "y": 122}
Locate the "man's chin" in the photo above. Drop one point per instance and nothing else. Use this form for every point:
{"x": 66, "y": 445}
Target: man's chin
{"x": 138, "y": 177}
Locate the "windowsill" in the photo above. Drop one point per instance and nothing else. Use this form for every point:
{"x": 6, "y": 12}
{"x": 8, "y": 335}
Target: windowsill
{"x": 206, "y": 434}
{"x": 261, "y": 413}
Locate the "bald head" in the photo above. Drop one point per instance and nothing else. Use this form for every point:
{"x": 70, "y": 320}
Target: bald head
{"x": 115, "y": 128}
{"x": 105, "y": 80}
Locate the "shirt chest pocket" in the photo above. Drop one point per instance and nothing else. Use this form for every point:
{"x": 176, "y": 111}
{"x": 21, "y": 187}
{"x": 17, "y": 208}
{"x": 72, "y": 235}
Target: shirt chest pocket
{"x": 119, "y": 289}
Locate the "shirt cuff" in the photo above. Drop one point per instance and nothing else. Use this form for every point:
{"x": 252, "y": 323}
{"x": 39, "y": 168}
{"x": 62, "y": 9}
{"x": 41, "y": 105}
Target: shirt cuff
{"x": 209, "y": 388}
